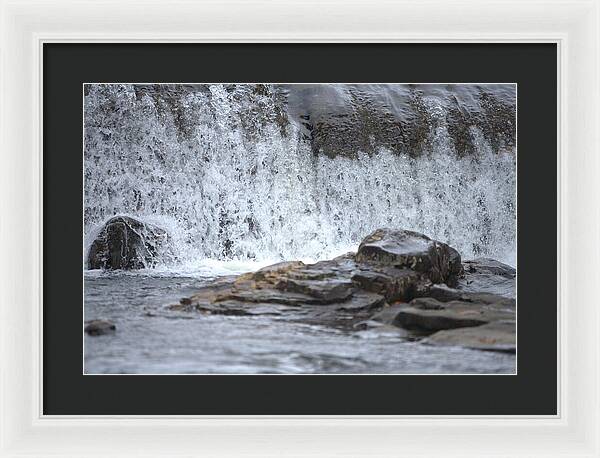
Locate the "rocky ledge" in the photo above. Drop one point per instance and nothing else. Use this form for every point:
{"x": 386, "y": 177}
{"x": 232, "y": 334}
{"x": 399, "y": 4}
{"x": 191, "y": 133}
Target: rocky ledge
{"x": 397, "y": 279}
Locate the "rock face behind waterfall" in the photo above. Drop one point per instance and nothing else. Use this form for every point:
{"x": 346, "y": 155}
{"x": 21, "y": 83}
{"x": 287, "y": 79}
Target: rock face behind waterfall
{"x": 341, "y": 119}
{"x": 398, "y": 279}
{"x": 126, "y": 243}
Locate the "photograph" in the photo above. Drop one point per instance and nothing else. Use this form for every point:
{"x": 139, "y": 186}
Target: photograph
{"x": 267, "y": 229}
{"x": 299, "y": 228}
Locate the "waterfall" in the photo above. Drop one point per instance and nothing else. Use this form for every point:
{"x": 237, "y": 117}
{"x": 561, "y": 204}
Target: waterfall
{"x": 241, "y": 172}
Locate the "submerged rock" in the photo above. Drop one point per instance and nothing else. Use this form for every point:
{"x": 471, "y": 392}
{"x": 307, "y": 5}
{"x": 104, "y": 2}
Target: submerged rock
{"x": 399, "y": 279}
{"x": 496, "y": 336}
{"x": 99, "y": 327}
{"x": 126, "y": 243}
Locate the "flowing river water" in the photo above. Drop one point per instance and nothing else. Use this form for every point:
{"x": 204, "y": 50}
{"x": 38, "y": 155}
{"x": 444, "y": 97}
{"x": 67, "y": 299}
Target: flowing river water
{"x": 152, "y": 340}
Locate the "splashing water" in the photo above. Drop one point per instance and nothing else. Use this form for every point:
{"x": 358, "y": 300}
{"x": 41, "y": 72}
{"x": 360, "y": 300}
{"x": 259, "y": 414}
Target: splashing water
{"x": 231, "y": 176}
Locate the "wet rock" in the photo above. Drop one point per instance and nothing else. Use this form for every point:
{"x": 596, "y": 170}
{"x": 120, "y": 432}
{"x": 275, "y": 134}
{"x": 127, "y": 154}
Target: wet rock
{"x": 497, "y": 336}
{"x": 387, "y": 314}
{"x": 398, "y": 280}
{"x": 267, "y": 295}
{"x": 362, "y": 300}
{"x": 345, "y": 315}
{"x": 325, "y": 291}
{"x": 236, "y": 308}
{"x": 443, "y": 293}
{"x": 295, "y": 284}
{"x": 205, "y": 295}
{"x": 126, "y": 243}
{"x": 99, "y": 327}
{"x": 427, "y": 303}
{"x": 434, "y": 320}
{"x": 395, "y": 284}
{"x": 488, "y": 276}
{"x": 428, "y": 314}
{"x": 402, "y": 249}
{"x": 490, "y": 300}
{"x": 322, "y": 293}
{"x": 273, "y": 272}
{"x": 491, "y": 267}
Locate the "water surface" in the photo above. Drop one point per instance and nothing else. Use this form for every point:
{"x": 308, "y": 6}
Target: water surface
{"x": 152, "y": 340}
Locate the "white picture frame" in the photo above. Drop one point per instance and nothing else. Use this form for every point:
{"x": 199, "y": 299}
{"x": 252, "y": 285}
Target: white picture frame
{"x": 26, "y": 25}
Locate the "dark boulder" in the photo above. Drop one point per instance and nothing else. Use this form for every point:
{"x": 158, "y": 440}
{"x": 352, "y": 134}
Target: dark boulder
{"x": 126, "y": 243}
{"x": 402, "y": 249}
{"x": 99, "y": 327}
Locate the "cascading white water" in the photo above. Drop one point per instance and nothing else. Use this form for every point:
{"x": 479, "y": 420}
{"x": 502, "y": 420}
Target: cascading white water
{"x": 229, "y": 179}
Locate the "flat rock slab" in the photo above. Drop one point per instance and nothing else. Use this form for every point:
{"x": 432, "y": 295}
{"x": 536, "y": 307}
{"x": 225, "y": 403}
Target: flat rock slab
{"x": 434, "y": 320}
{"x": 270, "y": 296}
{"x": 428, "y": 314}
{"x": 321, "y": 293}
{"x": 498, "y": 336}
{"x": 326, "y": 290}
{"x": 443, "y": 293}
{"x": 236, "y": 308}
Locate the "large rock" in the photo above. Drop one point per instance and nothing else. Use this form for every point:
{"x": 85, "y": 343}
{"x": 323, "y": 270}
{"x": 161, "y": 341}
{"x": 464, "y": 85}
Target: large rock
{"x": 402, "y": 249}
{"x": 126, "y": 243}
{"x": 398, "y": 280}
{"x": 340, "y": 292}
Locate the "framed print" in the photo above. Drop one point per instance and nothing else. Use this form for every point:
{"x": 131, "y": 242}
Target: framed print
{"x": 345, "y": 235}
{"x": 356, "y": 241}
